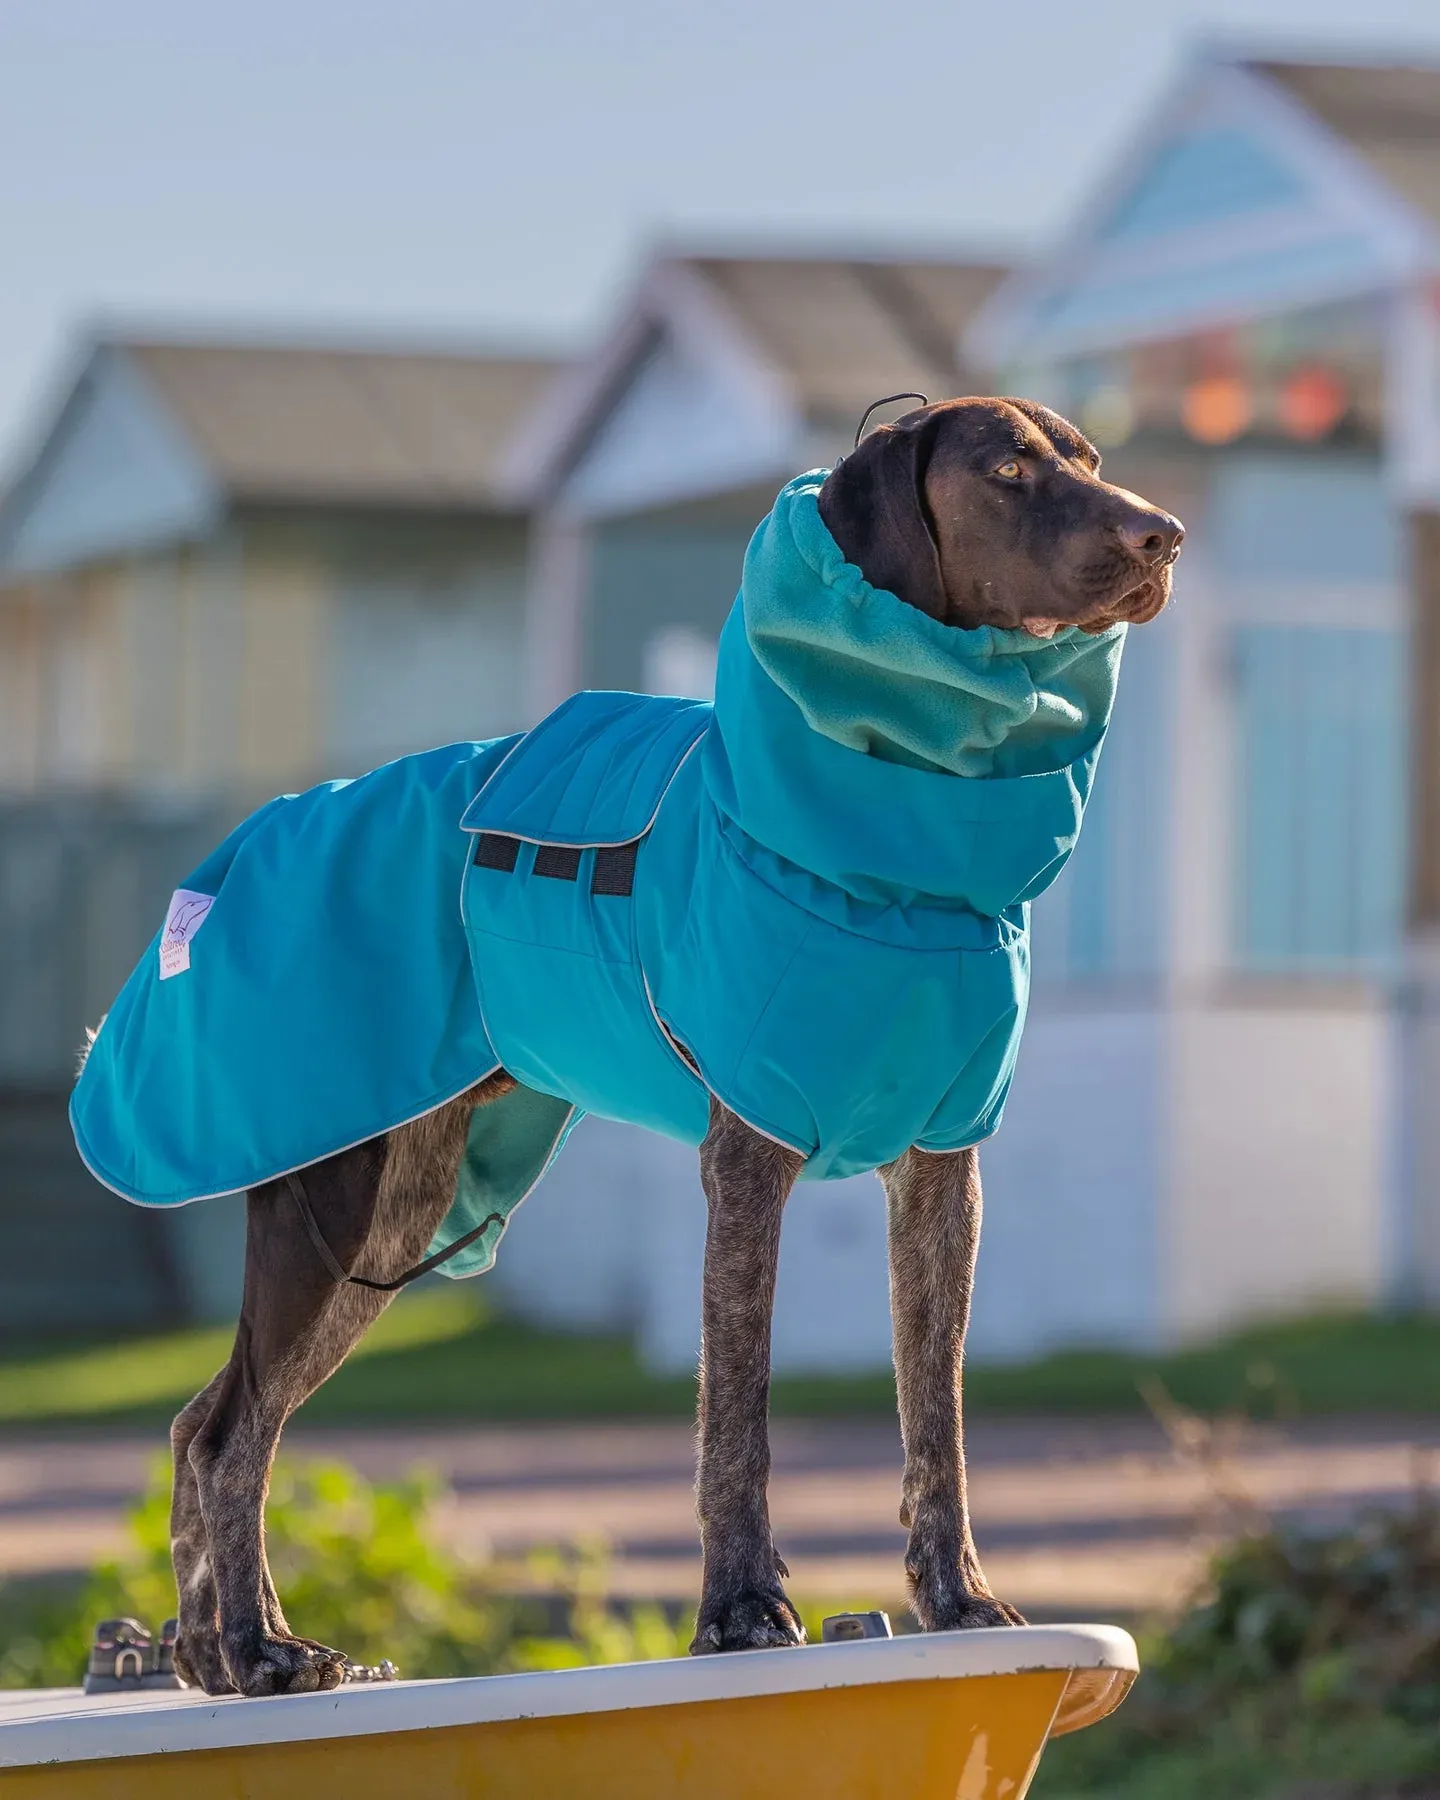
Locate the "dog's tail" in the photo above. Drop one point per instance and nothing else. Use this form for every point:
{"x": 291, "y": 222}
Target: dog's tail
{"x": 83, "y": 1056}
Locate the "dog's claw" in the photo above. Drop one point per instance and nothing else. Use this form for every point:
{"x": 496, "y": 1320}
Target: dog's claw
{"x": 287, "y": 1666}
{"x": 752, "y": 1620}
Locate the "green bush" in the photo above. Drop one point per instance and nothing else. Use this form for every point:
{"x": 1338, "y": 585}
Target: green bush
{"x": 357, "y": 1565}
{"x": 1309, "y": 1666}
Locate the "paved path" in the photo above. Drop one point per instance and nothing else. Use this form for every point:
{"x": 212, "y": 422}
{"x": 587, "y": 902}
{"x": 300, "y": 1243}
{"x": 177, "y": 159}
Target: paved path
{"x": 1074, "y": 1517}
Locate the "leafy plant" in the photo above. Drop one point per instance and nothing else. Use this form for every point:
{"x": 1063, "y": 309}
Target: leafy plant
{"x": 1308, "y": 1668}
{"x": 358, "y": 1565}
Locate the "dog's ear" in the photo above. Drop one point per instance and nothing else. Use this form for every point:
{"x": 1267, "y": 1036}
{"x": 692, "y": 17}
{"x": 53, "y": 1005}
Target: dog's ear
{"x": 873, "y": 504}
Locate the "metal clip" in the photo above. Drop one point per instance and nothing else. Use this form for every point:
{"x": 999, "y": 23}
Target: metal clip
{"x": 848, "y": 1628}
{"x": 384, "y": 1670}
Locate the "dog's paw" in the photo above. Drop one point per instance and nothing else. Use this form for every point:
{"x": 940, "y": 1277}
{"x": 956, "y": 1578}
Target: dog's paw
{"x": 974, "y": 1612}
{"x": 753, "y": 1619}
{"x": 950, "y": 1592}
{"x": 284, "y": 1665}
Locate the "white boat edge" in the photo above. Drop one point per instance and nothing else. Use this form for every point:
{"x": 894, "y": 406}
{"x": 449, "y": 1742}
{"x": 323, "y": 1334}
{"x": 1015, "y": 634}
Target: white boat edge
{"x": 55, "y": 1725}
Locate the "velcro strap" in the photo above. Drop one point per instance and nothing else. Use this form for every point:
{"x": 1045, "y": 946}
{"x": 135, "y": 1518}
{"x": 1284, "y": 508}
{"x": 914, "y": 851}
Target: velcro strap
{"x": 615, "y": 869}
{"x": 561, "y": 862}
{"x": 494, "y": 851}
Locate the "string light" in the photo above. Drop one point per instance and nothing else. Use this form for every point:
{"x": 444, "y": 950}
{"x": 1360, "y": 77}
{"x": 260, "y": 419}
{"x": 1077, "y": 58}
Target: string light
{"x": 1217, "y": 409}
{"x": 1312, "y": 403}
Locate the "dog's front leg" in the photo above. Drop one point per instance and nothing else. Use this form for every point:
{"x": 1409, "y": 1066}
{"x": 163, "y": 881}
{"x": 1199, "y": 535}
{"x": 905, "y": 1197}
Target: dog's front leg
{"x": 747, "y": 1179}
{"x": 934, "y": 1216}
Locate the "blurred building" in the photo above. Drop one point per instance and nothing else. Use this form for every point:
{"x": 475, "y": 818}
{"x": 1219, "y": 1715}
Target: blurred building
{"x": 1206, "y": 1124}
{"x": 228, "y": 571}
{"x": 232, "y": 570}
{"x": 236, "y": 568}
{"x": 1235, "y": 318}
{"x": 649, "y": 465}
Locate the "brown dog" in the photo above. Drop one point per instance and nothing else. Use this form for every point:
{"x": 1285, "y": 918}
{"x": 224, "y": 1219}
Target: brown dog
{"x": 977, "y": 512}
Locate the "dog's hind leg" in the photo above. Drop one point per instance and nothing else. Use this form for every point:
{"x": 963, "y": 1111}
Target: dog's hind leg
{"x": 934, "y": 1220}
{"x": 378, "y": 1207}
{"x": 747, "y": 1180}
{"x": 296, "y": 1326}
{"x": 197, "y": 1654}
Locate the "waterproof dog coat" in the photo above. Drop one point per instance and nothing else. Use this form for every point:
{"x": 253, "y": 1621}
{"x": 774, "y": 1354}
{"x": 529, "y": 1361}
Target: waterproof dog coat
{"x": 810, "y": 900}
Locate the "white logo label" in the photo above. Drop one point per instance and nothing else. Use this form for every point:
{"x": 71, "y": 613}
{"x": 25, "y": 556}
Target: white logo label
{"x": 185, "y": 917}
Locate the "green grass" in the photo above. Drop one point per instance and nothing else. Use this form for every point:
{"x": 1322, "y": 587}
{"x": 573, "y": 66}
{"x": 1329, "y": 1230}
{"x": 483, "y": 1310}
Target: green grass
{"x": 438, "y": 1354}
{"x": 1328, "y": 1363}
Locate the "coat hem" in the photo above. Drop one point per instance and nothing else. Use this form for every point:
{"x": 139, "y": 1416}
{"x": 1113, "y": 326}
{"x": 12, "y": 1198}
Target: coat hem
{"x": 309, "y": 1162}
{"x": 968, "y": 1143}
{"x": 670, "y": 1039}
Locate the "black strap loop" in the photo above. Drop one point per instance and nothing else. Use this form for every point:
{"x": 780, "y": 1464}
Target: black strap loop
{"x": 924, "y": 400}
{"x": 338, "y": 1274}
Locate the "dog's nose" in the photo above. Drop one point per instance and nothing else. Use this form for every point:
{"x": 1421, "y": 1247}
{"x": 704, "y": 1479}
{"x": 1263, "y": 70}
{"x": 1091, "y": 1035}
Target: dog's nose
{"x": 1154, "y": 535}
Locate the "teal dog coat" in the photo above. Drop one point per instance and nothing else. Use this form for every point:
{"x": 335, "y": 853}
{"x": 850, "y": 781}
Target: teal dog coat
{"x": 810, "y": 901}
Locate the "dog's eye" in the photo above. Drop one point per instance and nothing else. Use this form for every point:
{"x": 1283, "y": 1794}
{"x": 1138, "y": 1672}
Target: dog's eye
{"x": 1009, "y": 471}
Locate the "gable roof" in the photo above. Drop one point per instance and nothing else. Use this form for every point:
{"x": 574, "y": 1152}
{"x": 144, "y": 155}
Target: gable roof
{"x": 345, "y": 426}
{"x": 155, "y": 438}
{"x": 1389, "y": 113}
{"x": 811, "y": 340}
{"x": 1258, "y": 188}
{"x": 842, "y": 332}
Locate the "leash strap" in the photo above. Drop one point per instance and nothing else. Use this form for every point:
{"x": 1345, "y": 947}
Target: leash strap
{"x": 338, "y": 1274}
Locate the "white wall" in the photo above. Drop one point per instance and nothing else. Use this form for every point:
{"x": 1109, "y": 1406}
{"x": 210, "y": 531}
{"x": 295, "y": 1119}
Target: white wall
{"x": 1279, "y": 1158}
{"x": 614, "y": 1238}
{"x": 572, "y": 1255}
{"x": 1068, "y": 1254}
{"x": 1415, "y": 1244}
{"x": 832, "y": 1298}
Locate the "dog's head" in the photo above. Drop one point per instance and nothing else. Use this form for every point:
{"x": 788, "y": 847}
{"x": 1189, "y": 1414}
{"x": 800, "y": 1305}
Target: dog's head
{"x": 992, "y": 512}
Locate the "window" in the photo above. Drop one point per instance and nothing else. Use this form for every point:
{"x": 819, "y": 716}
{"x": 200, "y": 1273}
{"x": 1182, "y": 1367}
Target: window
{"x": 1321, "y": 799}
{"x": 1105, "y": 916}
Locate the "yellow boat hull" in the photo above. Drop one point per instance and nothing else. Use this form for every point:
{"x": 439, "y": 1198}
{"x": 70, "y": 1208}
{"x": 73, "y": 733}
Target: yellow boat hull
{"x": 853, "y": 1726}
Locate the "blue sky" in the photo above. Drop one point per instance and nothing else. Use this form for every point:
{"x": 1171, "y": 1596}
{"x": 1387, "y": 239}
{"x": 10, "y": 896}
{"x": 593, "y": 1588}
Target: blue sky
{"x": 449, "y": 168}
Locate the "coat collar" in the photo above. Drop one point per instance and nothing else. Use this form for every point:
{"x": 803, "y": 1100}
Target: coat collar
{"x": 881, "y": 677}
